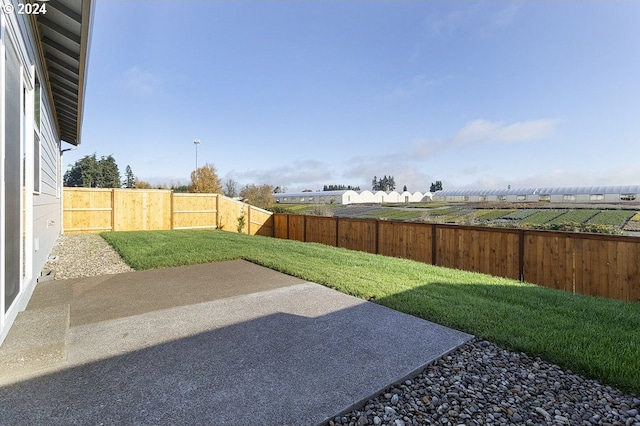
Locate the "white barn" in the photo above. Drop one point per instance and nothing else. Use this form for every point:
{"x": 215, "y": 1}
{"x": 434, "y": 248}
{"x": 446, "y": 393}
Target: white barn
{"x": 350, "y": 197}
{"x": 586, "y": 194}
{"x": 43, "y": 59}
{"x": 321, "y": 197}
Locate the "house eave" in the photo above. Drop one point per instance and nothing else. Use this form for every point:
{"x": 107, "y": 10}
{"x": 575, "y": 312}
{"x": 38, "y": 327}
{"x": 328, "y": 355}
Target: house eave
{"x": 63, "y": 35}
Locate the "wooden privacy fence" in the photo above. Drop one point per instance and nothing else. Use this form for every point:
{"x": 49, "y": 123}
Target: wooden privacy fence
{"x": 87, "y": 210}
{"x": 597, "y": 265}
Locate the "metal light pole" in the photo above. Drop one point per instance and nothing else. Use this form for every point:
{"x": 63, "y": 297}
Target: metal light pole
{"x": 196, "y": 143}
{"x": 196, "y": 182}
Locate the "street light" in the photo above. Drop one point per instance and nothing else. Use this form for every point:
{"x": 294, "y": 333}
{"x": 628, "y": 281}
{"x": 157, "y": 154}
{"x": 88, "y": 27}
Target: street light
{"x": 196, "y": 142}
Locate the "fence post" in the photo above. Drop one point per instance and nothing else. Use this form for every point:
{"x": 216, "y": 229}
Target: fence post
{"x": 113, "y": 210}
{"x": 521, "y": 255}
{"x": 304, "y": 228}
{"x": 171, "y": 212}
{"x": 434, "y": 244}
{"x": 217, "y": 211}
{"x": 337, "y": 239}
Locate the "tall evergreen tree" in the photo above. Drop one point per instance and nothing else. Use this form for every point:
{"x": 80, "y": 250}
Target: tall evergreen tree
{"x": 437, "y": 186}
{"x": 84, "y": 173}
{"x": 109, "y": 173}
{"x": 129, "y": 178}
{"x": 89, "y": 172}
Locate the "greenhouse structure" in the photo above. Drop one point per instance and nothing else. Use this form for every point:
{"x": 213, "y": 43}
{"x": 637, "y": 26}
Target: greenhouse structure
{"x": 351, "y": 197}
{"x": 586, "y": 194}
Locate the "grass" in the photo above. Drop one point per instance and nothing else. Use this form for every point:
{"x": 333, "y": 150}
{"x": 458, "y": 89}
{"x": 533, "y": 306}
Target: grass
{"x": 595, "y": 337}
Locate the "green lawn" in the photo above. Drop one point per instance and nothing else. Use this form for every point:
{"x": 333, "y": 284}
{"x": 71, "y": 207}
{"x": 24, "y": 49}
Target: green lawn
{"x": 596, "y": 337}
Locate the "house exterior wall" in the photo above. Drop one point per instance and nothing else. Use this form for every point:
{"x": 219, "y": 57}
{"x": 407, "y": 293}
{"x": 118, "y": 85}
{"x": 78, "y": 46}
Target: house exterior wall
{"x": 47, "y": 219}
{"x": 39, "y": 168}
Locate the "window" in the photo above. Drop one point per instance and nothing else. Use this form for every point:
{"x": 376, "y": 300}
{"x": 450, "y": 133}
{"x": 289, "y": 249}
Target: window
{"x": 36, "y": 104}
{"x": 37, "y": 162}
{"x": 628, "y": 197}
{"x": 545, "y": 197}
{"x": 521, "y": 198}
{"x": 502, "y": 198}
{"x": 311, "y": 199}
{"x": 568, "y": 197}
{"x": 596, "y": 197}
{"x": 483, "y": 198}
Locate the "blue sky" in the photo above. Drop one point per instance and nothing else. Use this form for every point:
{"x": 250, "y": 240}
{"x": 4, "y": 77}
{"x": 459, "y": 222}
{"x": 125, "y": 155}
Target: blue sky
{"x": 305, "y": 93}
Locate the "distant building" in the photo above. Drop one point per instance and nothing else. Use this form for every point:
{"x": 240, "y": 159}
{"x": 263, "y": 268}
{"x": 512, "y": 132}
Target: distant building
{"x": 350, "y": 197}
{"x": 586, "y": 194}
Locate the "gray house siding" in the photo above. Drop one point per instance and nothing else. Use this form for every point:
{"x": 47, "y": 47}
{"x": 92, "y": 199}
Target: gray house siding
{"x": 46, "y": 202}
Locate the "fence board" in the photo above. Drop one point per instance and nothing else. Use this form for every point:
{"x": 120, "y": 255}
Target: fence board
{"x": 358, "y": 235}
{"x": 229, "y": 214}
{"x": 405, "y": 240}
{"x": 87, "y": 212}
{"x": 195, "y": 211}
{"x": 141, "y": 210}
{"x": 296, "y": 227}
{"x": 281, "y": 226}
{"x": 261, "y": 222}
{"x": 319, "y": 229}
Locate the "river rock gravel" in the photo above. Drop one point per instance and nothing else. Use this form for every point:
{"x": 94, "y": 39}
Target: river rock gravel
{"x": 480, "y": 383}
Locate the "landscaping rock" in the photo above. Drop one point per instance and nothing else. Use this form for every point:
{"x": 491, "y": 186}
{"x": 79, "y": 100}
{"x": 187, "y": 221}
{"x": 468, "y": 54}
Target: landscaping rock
{"x": 482, "y": 383}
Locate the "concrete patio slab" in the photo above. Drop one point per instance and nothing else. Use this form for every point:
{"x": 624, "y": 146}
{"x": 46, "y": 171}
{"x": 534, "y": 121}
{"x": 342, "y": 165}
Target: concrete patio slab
{"x": 229, "y": 343}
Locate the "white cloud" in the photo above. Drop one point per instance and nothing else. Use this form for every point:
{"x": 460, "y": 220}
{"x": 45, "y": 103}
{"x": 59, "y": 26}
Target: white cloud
{"x": 486, "y": 132}
{"x": 483, "y": 131}
{"x": 626, "y": 174}
{"x": 302, "y": 174}
{"x": 139, "y": 82}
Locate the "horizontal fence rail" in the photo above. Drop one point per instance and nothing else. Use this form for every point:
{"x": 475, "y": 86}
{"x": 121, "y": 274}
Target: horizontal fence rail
{"x": 597, "y": 265}
{"x": 87, "y": 210}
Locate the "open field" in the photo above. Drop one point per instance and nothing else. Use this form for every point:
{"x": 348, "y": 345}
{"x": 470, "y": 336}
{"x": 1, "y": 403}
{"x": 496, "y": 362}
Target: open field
{"x": 599, "y": 220}
{"x": 595, "y": 337}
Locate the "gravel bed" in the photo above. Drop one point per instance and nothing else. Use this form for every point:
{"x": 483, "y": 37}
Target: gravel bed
{"x": 480, "y": 383}
{"x": 483, "y": 384}
{"x": 84, "y": 255}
